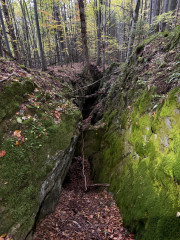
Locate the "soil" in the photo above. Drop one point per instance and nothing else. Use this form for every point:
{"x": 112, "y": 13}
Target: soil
{"x": 83, "y": 215}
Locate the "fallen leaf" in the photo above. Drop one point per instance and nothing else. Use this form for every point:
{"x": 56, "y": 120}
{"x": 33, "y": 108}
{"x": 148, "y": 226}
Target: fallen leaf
{"x": 3, "y": 235}
{"x": 17, "y": 143}
{"x": 17, "y": 133}
{"x": 2, "y": 153}
{"x": 19, "y": 120}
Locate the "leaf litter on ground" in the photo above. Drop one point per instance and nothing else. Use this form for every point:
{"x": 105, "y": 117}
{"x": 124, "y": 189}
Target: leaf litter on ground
{"x": 83, "y": 215}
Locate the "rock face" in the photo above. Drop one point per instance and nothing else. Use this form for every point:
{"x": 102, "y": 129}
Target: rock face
{"x": 38, "y": 133}
{"x": 139, "y": 153}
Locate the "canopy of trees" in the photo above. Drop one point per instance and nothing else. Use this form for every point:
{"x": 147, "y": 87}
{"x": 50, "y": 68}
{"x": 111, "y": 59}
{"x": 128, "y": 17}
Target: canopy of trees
{"x": 38, "y": 33}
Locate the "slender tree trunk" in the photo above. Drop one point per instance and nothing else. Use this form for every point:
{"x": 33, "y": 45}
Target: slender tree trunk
{"x": 133, "y": 26}
{"x": 34, "y": 42}
{"x": 26, "y": 34}
{"x": 84, "y": 33}
{"x": 59, "y": 32}
{"x": 1, "y": 51}
{"x": 177, "y": 10}
{"x": 20, "y": 43}
{"x": 172, "y": 5}
{"x": 121, "y": 37}
{"x": 43, "y": 61}
{"x": 104, "y": 38}
{"x": 98, "y": 61}
{"x": 11, "y": 30}
{"x": 154, "y": 12}
{"x": 4, "y": 33}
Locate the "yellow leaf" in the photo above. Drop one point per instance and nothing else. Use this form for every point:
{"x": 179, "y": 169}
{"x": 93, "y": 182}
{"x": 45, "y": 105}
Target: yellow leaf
{"x": 4, "y": 235}
{"x": 17, "y": 143}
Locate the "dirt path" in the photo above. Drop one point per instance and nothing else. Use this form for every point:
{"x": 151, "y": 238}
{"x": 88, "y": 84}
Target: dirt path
{"x": 83, "y": 215}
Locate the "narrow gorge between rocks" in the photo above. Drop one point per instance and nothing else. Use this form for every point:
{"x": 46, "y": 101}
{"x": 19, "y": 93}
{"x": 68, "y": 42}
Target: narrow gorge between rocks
{"x": 75, "y": 147}
{"x": 86, "y": 210}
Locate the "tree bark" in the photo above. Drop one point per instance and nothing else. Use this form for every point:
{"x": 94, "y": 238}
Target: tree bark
{"x": 43, "y": 61}
{"x": 133, "y": 27}
{"x": 172, "y": 5}
{"x": 177, "y": 10}
{"x": 84, "y": 33}
{"x": 98, "y": 61}
{"x": 104, "y": 38}
{"x": 4, "y": 33}
{"x": 59, "y": 32}
{"x": 26, "y": 34}
{"x": 32, "y": 34}
{"x": 1, "y": 51}
{"x": 11, "y": 30}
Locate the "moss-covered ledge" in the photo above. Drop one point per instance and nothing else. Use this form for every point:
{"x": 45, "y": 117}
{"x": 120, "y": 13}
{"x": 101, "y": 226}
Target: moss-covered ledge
{"x": 38, "y": 133}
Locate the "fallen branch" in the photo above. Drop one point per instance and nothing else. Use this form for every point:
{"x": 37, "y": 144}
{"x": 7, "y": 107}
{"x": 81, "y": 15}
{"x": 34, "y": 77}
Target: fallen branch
{"x": 6, "y": 78}
{"x": 92, "y": 95}
{"x": 83, "y": 161}
{"x": 79, "y": 226}
{"x": 108, "y": 75}
{"x": 99, "y": 185}
{"x": 91, "y": 83}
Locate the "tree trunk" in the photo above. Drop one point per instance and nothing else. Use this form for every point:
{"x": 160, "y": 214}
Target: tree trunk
{"x": 11, "y": 30}
{"x": 19, "y": 40}
{"x": 84, "y": 34}
{"x": 177, "y": 10}
{"x": 172, "y": 5}
{"x": 104, "y": 38}
{"x": 43, "y": 61}
{"x": 26, "y": 34}
{"x": 1, "y": 51}
{"x": 4, "y": 33}
{"x": 34, "y": 42}
{"x": 98, "y": 61}
{"x": 59, "y": 32}
{"x": 133, "y": 26}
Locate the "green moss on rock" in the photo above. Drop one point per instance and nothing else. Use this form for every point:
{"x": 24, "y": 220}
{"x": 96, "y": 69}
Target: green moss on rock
{"x": 28, "y": 163}
{"x": 141, "y": 163}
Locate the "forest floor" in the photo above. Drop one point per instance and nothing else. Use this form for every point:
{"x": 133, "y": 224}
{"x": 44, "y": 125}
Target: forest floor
{"x": 83, "y": 215}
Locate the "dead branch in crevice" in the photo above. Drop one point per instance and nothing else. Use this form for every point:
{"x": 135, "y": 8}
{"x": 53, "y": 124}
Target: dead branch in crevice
{"x": 92, "y": 95}
{"x": 99, "y": 185}
{"x": 83, "y": 165}
{"x": 91, "y": 84}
